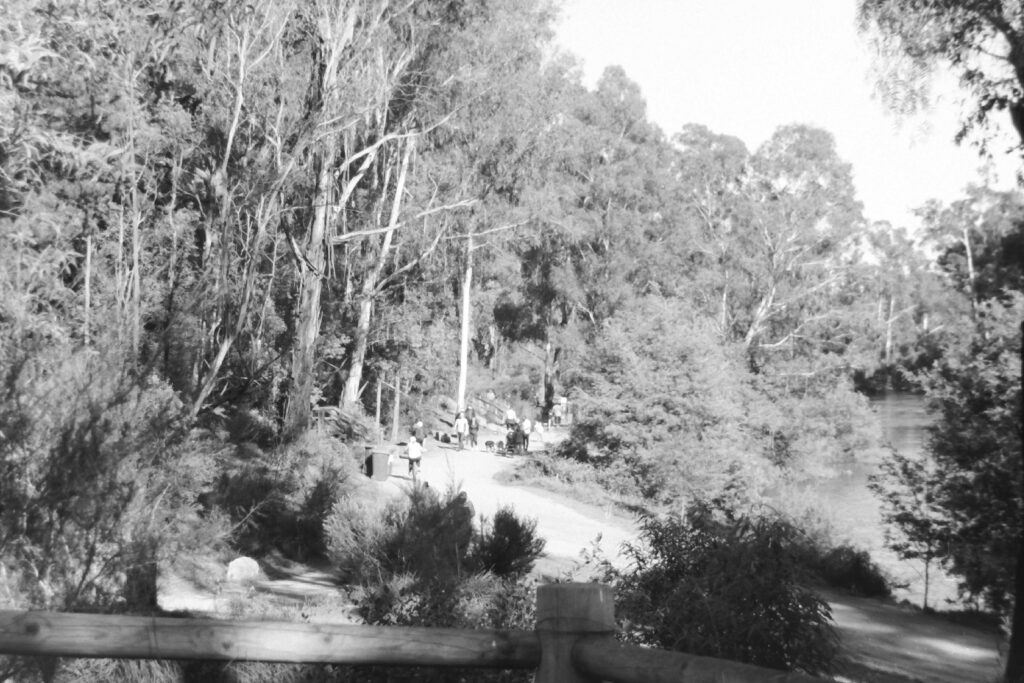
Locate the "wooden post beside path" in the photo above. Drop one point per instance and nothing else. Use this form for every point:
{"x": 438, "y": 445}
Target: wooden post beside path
{"x": 566, "y": 613}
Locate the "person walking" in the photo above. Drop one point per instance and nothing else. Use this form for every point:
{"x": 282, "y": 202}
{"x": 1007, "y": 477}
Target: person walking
{"x": 527, "y": 428}
{"x": 461, "y": 429}
{"x": 415, "y": 454}
{"x": 510, "y": 418}
{"x": 557, "y": 411}
{"x": 474, "y": 426}
{"x": 420, "y": 432}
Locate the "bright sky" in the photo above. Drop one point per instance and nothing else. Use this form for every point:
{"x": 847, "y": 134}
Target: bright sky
{"x": 745, "y": 67}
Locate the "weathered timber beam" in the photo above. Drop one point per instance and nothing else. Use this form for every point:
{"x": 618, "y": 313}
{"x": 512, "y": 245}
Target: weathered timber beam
{"x": 134, "y": 637}
{"x": 605, "y": 659}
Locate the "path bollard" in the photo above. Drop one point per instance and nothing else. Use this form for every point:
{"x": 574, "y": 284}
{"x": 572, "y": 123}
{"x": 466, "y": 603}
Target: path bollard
{"x": 567, "y": 612}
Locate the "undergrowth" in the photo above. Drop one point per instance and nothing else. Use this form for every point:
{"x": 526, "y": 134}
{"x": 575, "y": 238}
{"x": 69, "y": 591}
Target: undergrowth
{"x": 577, "y": 480}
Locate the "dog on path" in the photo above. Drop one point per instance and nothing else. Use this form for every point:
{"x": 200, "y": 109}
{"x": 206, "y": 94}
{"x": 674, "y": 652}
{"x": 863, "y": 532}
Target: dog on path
{"x": 489, "y": 445}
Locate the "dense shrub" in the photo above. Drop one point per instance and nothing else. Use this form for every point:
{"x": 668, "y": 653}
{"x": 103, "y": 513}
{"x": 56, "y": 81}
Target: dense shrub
{"x": 417, "y": 561}
{"x": 425, "y": 532}
{"x": 831, "y": 560}
{"x": 99, "y": 477}
{"x": 662, "y": 399}
{"x": 280, "y": 500}
{"x": 722, "y": 584}
{"x": 508, "y": 546}
{"x": 853, "y": 570}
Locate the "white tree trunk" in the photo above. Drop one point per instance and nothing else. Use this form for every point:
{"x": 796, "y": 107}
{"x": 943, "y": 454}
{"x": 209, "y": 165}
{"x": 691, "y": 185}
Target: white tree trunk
{"x": 888, "y": 330}
{"x": 466, "y": 312}
{"x": 350, "y": 394}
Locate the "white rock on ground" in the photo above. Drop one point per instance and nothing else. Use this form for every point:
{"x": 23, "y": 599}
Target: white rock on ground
{"x": 243, "y": 569}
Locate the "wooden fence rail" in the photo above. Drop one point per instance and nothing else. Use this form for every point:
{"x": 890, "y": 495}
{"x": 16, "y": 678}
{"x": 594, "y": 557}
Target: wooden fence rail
{"x": 574, "y": 643}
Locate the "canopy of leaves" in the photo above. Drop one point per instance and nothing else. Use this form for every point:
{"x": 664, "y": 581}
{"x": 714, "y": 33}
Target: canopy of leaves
{"x": 976, "y": 445}
{"x": 980, "y": 41}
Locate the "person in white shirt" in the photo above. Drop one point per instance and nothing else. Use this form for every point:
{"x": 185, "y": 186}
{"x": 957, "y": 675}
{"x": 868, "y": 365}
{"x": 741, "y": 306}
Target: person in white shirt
{"x": 415, "y": 455}
{"x": 527, "y": 428}
{"x": 461, "y": 429}
{"x": 510, "y": 418}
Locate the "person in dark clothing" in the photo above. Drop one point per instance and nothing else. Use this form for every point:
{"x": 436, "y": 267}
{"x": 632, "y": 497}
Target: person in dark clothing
{"x": 474, "y": 426}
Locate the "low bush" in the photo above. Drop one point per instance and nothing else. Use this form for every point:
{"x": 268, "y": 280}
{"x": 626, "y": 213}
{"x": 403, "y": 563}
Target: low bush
{"x": 853, "y": 570}
{"x": 719, "y": 583}
{"x": 99, "y": 475}
{"x": 475, "y": 601}
{"x": 280, "y": 500}
{"x": 508, "y": 546}
{"x": 580, "y": 480}
{"x": 834, "y": 563}
{"x": 417, "y": 561}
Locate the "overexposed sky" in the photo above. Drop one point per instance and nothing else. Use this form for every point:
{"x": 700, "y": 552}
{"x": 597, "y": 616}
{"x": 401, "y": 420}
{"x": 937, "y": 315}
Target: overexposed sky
{"x": 745, "y": 67}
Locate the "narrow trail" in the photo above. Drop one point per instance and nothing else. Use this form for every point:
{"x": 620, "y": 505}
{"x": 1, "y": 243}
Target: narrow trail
{"x": 568, "y": 527}
{"x": 880, "y": 642}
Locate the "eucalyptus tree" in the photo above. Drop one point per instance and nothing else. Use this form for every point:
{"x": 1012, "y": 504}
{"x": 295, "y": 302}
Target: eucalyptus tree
{"x": 979, "y": 238}
{"x": 709, "y": 170}
{"x": 601, "y": 213}
{"x": 464, "y": 73}
{"x": 774, "y": 231}
{"x": 802, "y": 218}
{"x": 981, "y": 42}
{"x": 900, "y": 305}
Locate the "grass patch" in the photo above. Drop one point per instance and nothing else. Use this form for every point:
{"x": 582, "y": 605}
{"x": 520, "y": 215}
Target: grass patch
{"x": 579, "y": 481}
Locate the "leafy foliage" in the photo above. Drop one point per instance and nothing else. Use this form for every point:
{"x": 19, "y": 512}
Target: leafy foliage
{"x": 507, "y": 546}
{"x": 722, "y": 584}
{"x": 660, "y": 394}
{"x": 852, "y": 570}
{"x": 918, "y": 525}
{"x": 916, "y": 40}
{"x": 98, "y": 480}
{"x": 976, "y": 447}
{"x": 279, "y": 500}
{"x": 419, "y": 562}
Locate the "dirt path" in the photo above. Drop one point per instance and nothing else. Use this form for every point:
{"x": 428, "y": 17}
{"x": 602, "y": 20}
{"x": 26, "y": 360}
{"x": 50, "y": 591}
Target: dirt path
{"x": 568, "y": 527}
{"x": 885, "y": 642}
{"x": 880, "y": 642}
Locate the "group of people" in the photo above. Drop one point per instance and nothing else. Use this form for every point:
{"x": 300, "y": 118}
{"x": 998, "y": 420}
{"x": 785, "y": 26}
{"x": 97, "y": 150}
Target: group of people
{"x": 467, "y": 432}
{"x": 467, "y": 428}
{"x": 517, "y": 432}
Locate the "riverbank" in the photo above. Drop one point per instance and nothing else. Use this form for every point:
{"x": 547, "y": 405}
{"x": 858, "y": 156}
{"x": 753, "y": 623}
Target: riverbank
{"x": 881, "y": 642}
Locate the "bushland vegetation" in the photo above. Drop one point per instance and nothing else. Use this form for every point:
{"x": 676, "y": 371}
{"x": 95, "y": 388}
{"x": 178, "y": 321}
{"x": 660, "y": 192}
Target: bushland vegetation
{"x": 215, "y": 218}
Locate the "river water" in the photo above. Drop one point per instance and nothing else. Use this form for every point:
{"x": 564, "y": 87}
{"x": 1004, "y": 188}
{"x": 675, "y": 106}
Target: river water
{"x": 856, "y": 513}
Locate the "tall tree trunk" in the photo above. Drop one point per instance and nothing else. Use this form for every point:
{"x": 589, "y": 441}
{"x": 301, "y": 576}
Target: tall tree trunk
{"x": 396, "y": 409}
{"x": 761, "y": 316}
{"x": 970, "y": 270}
{"x": 350, "y": 394}
{"x": 1015, "y": 656}
{"x": 552, "y": 357}
{"x": 724, "y": 313}
{"x": 88, "y": 287}
{"x": 376, "y": 412}
{"x": 311, "y": 268}
{"x": 888, "y": 330}
{"x": 467, "y": 285}
{"x": 336, "y": 26}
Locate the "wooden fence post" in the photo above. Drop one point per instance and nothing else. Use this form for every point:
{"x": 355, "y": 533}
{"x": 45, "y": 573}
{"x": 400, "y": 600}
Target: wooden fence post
{"x": 567, "y": 612}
